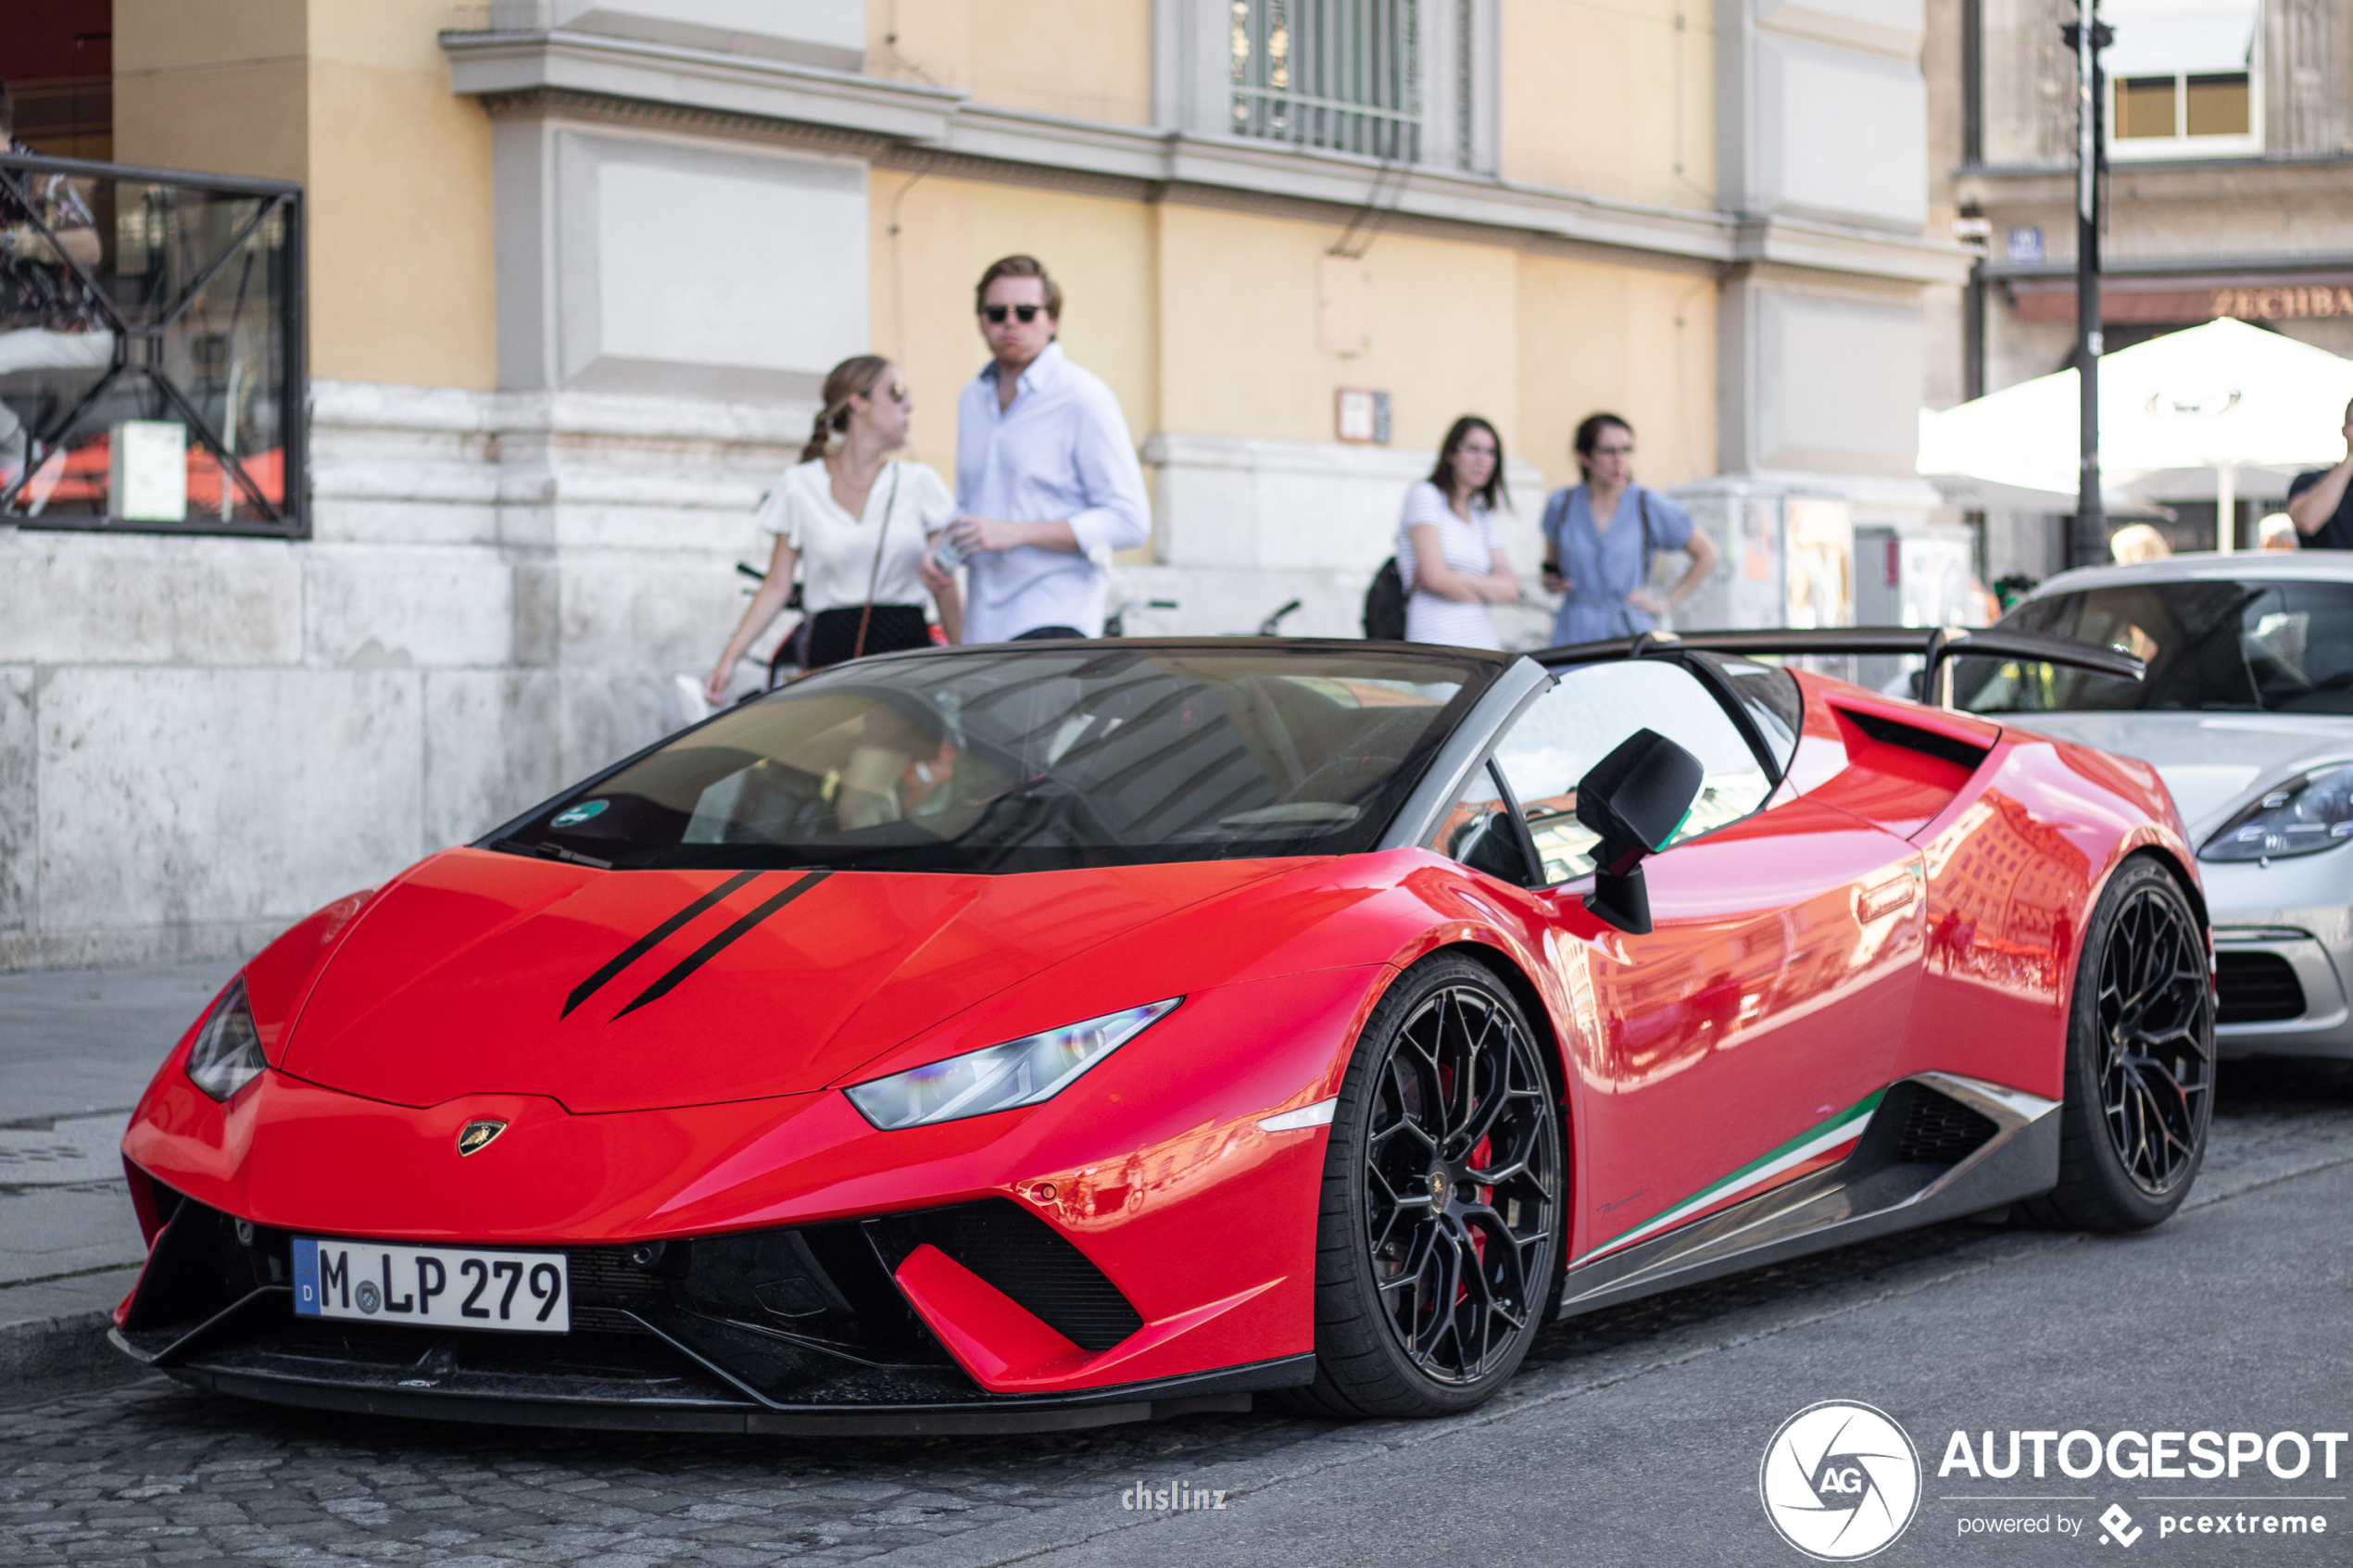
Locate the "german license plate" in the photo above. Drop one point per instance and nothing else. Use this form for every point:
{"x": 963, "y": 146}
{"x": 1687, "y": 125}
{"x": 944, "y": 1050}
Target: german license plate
{"x": 437, "y": 1286}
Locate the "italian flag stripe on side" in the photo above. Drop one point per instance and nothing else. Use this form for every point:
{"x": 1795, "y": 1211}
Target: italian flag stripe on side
{"x": 1818, "y": 1145}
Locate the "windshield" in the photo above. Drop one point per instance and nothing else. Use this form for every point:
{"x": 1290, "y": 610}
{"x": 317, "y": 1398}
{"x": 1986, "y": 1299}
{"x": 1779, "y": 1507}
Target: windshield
{"x": 2255, "y": 646}
{"x": 1031, "y": 761}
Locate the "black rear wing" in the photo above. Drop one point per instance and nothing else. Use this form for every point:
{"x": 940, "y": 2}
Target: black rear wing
{"x": 1939, "y": 646}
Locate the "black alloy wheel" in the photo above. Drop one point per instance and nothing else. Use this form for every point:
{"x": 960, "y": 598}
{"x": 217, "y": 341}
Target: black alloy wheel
{"x": 2157, "y": 1051}
{"x": 1440, "y": 1237}
{"x": 2140, "y": 1070}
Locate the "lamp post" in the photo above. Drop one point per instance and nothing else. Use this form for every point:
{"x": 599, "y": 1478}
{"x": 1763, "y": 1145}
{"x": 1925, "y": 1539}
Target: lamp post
{"x": 2089, "y": 546}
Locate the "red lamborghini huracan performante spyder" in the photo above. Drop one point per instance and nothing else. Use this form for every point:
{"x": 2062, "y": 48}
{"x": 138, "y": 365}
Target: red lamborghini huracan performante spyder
{"x": 1012, "y": 1037}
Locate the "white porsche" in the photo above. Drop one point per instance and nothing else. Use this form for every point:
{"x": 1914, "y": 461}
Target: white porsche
{"x": 2247, "y": 713}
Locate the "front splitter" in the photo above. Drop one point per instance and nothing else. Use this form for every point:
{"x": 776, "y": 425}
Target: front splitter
{"x": 1227, "y": 1390}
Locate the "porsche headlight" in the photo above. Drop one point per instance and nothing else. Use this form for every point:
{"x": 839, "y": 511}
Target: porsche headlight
{"x": 227, "y": 1055}
{"x": 1000, "y": 1077}
{"x": 2302, "y": 817}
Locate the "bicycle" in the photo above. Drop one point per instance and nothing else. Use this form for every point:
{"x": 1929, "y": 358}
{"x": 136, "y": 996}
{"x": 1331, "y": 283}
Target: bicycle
{"x": 1115, "y": 623}
{"x": 1273, "y": 625}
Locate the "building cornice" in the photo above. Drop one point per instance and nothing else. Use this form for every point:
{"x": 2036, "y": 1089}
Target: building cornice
{"x": 900, "y": 124}
{"x": 484, "y": 63}
{"x": 2220, "y": 271}
{"x": 2238, "y": 163}
{"x": 2253, "y": 180}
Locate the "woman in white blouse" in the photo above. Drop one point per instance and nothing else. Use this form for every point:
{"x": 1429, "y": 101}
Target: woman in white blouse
{"x": 855, "y": 523}
{"x": 1446, "y": 547}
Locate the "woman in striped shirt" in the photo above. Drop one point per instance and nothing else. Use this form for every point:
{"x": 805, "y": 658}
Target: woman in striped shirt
{"x": 1446, "y": 547}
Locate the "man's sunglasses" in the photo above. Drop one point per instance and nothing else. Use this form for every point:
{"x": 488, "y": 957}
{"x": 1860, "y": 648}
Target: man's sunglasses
{"x": 1025, "y": 314}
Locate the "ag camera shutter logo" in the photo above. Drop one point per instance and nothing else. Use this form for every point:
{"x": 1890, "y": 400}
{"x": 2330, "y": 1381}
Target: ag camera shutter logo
{"x": 1839, "y": 1481}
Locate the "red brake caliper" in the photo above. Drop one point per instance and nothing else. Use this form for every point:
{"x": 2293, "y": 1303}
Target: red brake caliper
{"x": 1478, "y": 1159}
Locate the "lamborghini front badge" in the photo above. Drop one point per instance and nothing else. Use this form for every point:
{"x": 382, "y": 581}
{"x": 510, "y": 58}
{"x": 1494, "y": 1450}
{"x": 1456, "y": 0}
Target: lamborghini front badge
{"x": 476, "y": 1135}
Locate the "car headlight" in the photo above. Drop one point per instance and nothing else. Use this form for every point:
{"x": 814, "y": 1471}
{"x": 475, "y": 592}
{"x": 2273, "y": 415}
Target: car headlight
{"x": 2301, "y": 817}
{"x": 227, "y": 1055}
{"x": 1018, "y": 1072}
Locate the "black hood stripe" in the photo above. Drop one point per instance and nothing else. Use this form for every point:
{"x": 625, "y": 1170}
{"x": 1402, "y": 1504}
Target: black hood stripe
{"x": 712, "y": 948}
{"x": 650, "y": 940}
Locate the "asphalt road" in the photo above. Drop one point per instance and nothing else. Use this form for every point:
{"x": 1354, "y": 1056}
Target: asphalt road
{"x": 1634, "y": 1436}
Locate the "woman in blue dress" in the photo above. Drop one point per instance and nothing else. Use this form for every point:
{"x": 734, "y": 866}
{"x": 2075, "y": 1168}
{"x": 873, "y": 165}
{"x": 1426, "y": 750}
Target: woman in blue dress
{"x": 1600, "y": 536}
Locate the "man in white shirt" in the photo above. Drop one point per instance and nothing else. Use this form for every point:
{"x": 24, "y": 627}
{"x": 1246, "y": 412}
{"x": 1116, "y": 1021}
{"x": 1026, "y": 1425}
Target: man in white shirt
{"x": 1047, "y": 483}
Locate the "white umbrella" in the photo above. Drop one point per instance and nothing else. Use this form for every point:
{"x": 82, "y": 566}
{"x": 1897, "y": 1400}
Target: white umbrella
{"x": 2222, "y": 396}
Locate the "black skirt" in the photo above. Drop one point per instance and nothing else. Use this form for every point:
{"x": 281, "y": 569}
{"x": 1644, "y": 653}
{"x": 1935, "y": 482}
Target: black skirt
{"x": 833, "y": 634}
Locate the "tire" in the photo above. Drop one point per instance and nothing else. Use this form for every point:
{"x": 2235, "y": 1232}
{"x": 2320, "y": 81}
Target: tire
{"x": 1423, "y": 1311}
{"x": 2140, "y": 1060}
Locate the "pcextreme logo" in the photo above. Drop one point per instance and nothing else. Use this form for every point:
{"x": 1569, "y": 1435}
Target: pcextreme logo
{"x": 1840, "y": 1480}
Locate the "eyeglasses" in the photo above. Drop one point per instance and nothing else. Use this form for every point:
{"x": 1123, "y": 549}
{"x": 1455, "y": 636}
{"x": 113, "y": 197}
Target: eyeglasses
{"x": 1025, "y": 314}
{"x": 898, "y": 391}
{"x": 1613, "y": 451}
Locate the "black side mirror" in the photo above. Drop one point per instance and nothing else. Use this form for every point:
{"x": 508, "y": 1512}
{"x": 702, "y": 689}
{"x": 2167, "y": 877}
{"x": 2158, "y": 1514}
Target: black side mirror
{"x": 1634, "y": 798}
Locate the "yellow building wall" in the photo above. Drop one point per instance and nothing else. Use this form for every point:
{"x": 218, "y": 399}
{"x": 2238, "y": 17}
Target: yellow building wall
{"x": 400, "y": 215}
{"x": 1202, "y": 320}
{"x": 352, "y": 100}
{"x": 1245, "y": 336}
{"x": 1636, "y": 343}
{"x": 1611, "y": 97}
{"x": 1087, "y": 60}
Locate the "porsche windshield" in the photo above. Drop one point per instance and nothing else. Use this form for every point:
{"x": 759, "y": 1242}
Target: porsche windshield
{"x": 1031, "y": 761}
{"x": 2253, "y": 646}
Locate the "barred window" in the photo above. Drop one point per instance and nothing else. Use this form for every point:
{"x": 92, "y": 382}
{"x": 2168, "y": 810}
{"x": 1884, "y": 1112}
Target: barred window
{"x": 1341, "y": 75}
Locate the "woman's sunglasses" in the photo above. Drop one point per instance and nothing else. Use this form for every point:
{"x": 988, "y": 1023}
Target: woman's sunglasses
{"x": 1025, "y": 314}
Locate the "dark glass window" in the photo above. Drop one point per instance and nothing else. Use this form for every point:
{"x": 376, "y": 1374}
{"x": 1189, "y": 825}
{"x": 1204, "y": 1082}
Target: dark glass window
{"x": 151, "y": 351}
{"x": 1478, "y": 831}
{"x": 1032, "y": 760}
{"x": 1592, "y": 710}
{"x": 1772, "y": 699}
{"x": 2252, "y": 645}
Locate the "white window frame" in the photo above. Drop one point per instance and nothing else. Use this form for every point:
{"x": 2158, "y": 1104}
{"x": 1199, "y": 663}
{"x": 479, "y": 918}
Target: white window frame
{"x": 2181, "y": 145}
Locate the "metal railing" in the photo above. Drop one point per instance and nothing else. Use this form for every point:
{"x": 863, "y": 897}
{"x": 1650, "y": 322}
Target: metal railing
{"x": 152, "y": 368}
{"x": 1342, "y": 75}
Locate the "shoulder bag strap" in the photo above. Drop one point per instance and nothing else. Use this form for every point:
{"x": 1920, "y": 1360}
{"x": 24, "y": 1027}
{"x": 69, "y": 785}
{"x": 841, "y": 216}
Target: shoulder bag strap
{"x": 890, "y": 501}
{"x": 1643, "y": 502}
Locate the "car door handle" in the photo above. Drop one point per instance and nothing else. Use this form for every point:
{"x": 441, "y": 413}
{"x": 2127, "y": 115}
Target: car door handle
{"x": 1882, "y": 899}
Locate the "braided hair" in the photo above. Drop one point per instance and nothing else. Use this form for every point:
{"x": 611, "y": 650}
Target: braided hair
{"x": 854, "y": 377}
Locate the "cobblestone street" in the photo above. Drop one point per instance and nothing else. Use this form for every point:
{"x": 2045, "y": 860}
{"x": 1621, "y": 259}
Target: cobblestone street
{"x": 1683, "y": 1388}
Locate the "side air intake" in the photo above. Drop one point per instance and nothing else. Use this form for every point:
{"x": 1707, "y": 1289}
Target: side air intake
{"x": 1894, "y": 732}
{"x": 1021, "y": 1256}
{"x": 1933, "y": 1129}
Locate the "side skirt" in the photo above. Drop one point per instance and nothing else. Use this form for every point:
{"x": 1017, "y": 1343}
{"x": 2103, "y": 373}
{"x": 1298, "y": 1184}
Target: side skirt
{"x": 1871, "y": 1193}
